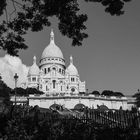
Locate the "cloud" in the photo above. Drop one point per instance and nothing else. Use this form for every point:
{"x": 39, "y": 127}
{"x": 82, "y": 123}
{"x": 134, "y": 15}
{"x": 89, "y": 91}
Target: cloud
{"x": 9, "y": 65}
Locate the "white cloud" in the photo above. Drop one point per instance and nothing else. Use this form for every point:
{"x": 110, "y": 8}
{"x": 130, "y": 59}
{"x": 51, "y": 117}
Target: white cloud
{"x": 10, "y": 65}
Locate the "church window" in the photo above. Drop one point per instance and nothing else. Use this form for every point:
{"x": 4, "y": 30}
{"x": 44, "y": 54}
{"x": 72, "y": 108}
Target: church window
{"x": 73, "y": 89}
{"x": 46, "y": 88}
{"x": 34, "y": 79}
{"x": 72, "y": 79}
{"x": 29, "y": 79}
{"x": 45, "y": 70}
{"x": 54, "y": 82}
{"x": 60, "y": 70}
{"x": 48, "y": 69}
{"x": 61, "y": 88}
{"x": 54, "y": 68}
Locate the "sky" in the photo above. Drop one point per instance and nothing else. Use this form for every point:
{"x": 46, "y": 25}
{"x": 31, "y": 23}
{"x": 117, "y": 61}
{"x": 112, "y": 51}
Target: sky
{"x": 109, "y": 59}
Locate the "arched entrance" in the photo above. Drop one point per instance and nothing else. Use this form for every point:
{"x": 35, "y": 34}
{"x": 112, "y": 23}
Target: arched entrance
{"x": 102, "y": 108}
{"x": 55, "y": 107}
{"x": 79, "y": 106}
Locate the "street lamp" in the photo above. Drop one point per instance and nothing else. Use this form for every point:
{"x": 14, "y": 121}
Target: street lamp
{"x": 16, "y": 78}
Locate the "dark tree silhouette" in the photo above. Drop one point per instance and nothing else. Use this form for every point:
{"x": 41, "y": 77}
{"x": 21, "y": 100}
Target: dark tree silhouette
{"x": 25, "y": 92}
{"x": 111, "y": 93}
{"x": 118, "y": 94}
{"x": 34, "y": 15}
{"x": 4, "y": 92}
{"x": 107, "y": 93}
{"x": 33, "y": 91}
{"x": 20, "y": 91}
{"x": 96, "y": 93}
{"x": 114, "y": 7}
{"x": 137, "y": 96}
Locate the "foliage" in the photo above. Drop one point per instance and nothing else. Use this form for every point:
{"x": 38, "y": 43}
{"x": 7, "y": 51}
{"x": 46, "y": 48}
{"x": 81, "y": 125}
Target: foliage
{"x": 29, "y": 123}
{"x": 33, "y": 91}
{"x": 20, "y": 91}
{"x": 33, "y": 15}
{"x": 111, "y": 93}
{"x": 118, "y": 94}
{"x": 114, "y": 7}
{"x": 25, "y": 92}
{"x": 5, "y": 93}
{"x": 96, "y": 93}
{"x": 4, "y": 89}
{"x": 137, "y": 96}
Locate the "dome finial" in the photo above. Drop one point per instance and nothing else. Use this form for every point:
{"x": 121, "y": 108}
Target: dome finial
{"x": 71, "y": 59}
{"x": 52, "y": 36}
{"x": 34, "y": 59}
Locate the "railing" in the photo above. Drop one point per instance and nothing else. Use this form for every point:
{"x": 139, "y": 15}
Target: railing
{"x": 19, "y": 98}
{"x": 84, "y": 125}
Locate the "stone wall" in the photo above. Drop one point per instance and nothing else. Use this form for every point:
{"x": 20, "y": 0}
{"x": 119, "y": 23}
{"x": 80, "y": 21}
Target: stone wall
{"x": 71, "y": 101}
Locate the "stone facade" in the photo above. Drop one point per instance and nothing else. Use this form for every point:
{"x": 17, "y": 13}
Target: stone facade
{"x": 62, "y": 85}
{"x": 71, "y": 101}
{"x": 52, "y": 77}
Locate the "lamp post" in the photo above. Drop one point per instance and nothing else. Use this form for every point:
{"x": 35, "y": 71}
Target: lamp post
{"x": 16, "y": 78}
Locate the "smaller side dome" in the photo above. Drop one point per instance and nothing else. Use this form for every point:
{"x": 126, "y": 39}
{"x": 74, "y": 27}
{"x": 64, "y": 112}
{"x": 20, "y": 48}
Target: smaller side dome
{"x": 34, "y": 69}
{"x": 71, "y": 69}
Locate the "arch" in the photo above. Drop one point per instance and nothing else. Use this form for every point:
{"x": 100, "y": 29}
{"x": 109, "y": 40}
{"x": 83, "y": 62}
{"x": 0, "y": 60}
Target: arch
{"x": 48, "y": 69}
{"x": 55, "y": 106}
{"x": 60, "y": 70}
{"x": 54, "y": 83}
{"x": 46, "y": 88}
{"x": 45, "y": 71}
{"x": 102, "y": 108}
{"x": 79, "y": 106}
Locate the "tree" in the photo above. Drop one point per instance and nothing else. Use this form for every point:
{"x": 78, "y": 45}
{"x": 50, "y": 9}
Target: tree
{"x": 20, "y": 91}
{"x": 4, "y": 92}
{"x": 34, "y": 91}
{"x": 34, "y": 15}
{"x": 137, "y": 96}
{"x": 118, "y": 94}
{"x": 25, "y": 92}
{"x": 96, "y": 93}
{"x": 111, "y": 93}
{"x": 107, "y": 93}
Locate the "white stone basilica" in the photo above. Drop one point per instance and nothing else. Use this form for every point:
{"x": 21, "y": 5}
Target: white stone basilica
{"x": 52, "y": 77}
{"x": 62, "y": 85}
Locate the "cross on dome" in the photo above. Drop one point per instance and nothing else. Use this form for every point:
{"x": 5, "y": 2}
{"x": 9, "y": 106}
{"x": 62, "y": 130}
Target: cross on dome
{"x": 34, "y": 69}
{"x": 71, "y": 59}
{"x": 52, "y": 36}
{"x": 34, "y": 59}
{"x": 71, "y": 69}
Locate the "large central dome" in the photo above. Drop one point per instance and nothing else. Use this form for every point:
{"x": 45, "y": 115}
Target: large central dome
{"x": 52, "y": 50}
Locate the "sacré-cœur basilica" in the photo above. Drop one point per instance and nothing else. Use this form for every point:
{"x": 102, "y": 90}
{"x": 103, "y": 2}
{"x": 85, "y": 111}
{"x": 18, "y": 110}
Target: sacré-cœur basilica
{"x": 52, "y": 77}
{"x": 62, "y": 85}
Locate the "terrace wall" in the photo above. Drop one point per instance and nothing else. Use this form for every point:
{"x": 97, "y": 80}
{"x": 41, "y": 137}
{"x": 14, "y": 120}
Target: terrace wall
{"x": 71, "y": 101}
